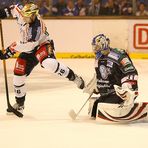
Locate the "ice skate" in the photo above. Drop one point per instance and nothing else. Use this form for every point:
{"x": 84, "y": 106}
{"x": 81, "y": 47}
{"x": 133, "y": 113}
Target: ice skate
{"x": 16, "y": 106}
{"x": 79, "y": 82}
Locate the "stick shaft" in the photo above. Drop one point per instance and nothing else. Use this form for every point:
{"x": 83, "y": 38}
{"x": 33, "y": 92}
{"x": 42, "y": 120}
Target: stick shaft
{"x": 84, "y": 105}
{"x": 5, "y": 76}
{"x": 4, "y": 65}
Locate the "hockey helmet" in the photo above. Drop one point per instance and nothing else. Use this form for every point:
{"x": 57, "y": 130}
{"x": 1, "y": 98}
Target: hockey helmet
{"x": 29, "y": 9}
{"x": 100, "y": 45}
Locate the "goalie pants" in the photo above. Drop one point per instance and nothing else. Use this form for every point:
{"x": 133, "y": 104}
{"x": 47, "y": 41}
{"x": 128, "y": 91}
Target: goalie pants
{"x": 111, "y": 98}
{"x": 26, "y": 62}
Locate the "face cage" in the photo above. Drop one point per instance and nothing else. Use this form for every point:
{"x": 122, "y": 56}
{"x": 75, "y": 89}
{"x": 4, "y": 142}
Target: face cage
{"x": 29, "y": 14}
{"x": 28, "y": 19}
{"x": 99, "y": 52}
{"x": 96, "y": 48}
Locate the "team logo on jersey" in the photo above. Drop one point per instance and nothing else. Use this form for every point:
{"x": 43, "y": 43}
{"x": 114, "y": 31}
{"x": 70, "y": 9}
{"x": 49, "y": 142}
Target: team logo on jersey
{"x": 114, "y": 55}
{"x": 125, "y": 61}
{"x": 110, "y": 64}
{"x": 104, "y": 72}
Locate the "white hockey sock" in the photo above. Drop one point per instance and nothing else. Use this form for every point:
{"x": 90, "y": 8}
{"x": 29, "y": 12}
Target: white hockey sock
{"x": 54, "y": 66}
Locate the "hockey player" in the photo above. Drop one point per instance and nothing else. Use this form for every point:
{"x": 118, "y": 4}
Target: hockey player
{"x": 35, "y": 47}
{"x": 115, "y": 82}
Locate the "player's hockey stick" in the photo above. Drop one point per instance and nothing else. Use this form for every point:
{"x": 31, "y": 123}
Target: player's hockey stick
{"x": 73, "y": 114}
{"x": 17, "y": 113}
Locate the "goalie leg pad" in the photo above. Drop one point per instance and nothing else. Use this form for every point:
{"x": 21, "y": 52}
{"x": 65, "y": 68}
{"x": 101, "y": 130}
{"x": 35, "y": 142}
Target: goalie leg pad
{"x": 54, "y": 66}
{"x": 115, "y": 113}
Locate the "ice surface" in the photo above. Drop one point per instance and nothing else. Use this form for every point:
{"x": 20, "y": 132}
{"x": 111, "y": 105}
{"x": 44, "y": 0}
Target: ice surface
{"x": 46, "y": 123}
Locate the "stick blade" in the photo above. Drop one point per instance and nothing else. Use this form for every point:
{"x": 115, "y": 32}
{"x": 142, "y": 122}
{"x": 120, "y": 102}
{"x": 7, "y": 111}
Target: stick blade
{"x": 14, "y": 111}
{"x": 72, "y": 114}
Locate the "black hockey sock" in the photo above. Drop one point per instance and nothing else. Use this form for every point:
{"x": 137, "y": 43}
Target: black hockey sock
{"x": 71, "y": 75}
{"x": 20, "y": 100}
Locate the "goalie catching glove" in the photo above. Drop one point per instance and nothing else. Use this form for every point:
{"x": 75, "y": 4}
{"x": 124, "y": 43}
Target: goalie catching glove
{"x": 91, "y": 87}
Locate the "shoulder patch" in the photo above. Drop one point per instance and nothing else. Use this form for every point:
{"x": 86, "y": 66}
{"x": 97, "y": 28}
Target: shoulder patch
{"x": 114, "y": 55}
{"x": 125, "y": 61}
{"x": 129, "y": 69}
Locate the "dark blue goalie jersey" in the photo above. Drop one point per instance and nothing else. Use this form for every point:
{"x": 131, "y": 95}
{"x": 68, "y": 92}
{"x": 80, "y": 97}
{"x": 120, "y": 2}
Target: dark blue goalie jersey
{"x": 115, "y": 68}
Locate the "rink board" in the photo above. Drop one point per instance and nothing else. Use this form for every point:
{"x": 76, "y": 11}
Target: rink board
{"x": 73, "y": 37}
{"x": 69, "y": 55}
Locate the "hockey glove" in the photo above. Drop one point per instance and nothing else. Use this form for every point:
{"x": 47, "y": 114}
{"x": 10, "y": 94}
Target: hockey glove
{"x": 1, "y": 55}
{"x": 91, "y": 87}
{"x": 9, "y": 52}
{"x": 6, "y": 55}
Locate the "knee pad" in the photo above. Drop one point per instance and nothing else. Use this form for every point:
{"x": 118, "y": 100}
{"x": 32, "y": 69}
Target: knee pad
{"x": 19, "y": 86}
{"x": 54, "y": 66}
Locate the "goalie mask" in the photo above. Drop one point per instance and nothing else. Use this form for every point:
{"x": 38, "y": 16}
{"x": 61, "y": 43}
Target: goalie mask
{"x": 29, "y": 12}
{"x": 100, "y": 45}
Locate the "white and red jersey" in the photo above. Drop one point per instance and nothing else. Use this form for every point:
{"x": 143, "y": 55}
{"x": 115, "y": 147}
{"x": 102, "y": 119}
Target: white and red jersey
{"x": 31, "y": 35}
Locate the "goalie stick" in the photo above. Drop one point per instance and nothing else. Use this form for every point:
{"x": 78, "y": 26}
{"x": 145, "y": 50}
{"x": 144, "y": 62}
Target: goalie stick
{"x": 73, "y": 114}
{"x": 17, "y": 113}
